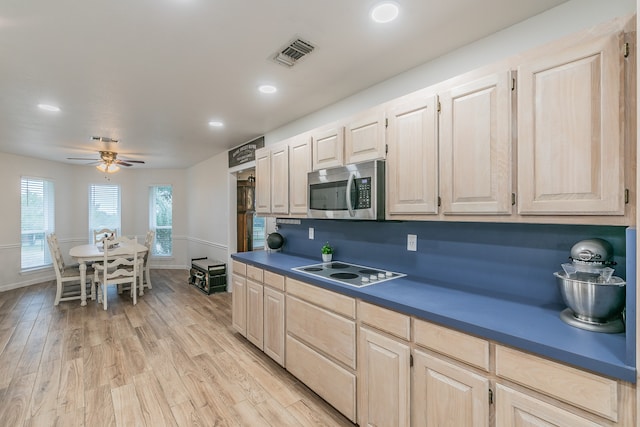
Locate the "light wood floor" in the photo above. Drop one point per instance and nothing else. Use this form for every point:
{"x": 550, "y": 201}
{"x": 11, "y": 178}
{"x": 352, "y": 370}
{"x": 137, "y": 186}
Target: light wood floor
{"x": 172, "y": 359}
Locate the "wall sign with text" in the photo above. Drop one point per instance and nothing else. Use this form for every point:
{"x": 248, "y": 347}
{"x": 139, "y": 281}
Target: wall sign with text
{"x": 245, "y": 153}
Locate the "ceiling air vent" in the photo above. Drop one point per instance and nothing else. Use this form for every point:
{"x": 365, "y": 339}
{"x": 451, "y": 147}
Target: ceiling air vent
{"x": 293, "y": 52}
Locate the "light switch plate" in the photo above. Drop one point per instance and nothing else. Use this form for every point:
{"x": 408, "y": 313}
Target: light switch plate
{"x": 412, "y": 242}
{"x": 311, "y": 233}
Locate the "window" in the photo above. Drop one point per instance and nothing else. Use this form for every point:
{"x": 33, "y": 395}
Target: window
{"x": 161, "y": 219}
{"x": 104, "y": 208}
{"x": 258, "y": 232}
{"x": 37, "y": 220}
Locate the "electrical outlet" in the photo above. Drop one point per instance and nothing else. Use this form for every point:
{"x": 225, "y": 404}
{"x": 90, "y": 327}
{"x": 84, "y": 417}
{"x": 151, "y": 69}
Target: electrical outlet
{"x": 412, "y": 242}
{"x": 311, "y": 233}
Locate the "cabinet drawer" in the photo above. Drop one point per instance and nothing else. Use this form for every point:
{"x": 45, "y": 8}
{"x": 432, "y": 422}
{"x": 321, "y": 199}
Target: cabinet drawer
{"x": 254, "y": 273}
{"x": 471, "y": 350}
{"x": 335, "y": 302}
{"x": 385, "y": 320}
{"x": 590, "y": 392}
{"x": 332, "y": 334}
{"x": 333, "y": 383}
{"x": 274, "y": 280}
{"x": 239, "y": 268}
{"x": 517, "y": 409}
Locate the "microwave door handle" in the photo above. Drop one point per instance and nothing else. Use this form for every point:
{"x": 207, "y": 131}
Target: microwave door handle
{"x": 348, "y": 195}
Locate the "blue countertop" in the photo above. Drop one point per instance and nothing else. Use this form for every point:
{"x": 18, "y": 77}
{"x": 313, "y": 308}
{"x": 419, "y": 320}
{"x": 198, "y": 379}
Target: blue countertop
{"x": 519, "y": 324}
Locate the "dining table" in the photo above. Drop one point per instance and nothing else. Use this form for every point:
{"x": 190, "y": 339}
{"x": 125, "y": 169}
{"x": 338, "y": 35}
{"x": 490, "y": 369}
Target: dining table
{"x": 88, "y": 254}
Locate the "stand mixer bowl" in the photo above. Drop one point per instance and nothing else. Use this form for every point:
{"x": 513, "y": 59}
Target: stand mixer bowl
{"x": 592, "y": 299}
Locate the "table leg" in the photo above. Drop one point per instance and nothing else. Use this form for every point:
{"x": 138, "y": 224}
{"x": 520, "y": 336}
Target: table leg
{"x": 83, "y": 283}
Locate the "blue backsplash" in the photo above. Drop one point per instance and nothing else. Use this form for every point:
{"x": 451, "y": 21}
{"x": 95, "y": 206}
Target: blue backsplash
{"x": 515, "y": 261}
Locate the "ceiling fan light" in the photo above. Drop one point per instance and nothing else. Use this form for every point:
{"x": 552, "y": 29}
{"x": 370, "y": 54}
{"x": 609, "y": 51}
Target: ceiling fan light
{"x": 108, "y": 168}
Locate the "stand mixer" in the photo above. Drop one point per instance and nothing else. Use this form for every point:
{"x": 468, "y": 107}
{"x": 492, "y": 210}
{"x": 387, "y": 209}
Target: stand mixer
{"x": 594, "y": 297}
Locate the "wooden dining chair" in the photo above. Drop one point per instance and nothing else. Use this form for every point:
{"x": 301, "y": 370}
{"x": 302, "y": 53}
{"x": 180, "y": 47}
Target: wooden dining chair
{"x": 120, "y": 270}
{"x": 145, "y": 278}
{"x": 67, "y": 276}
{"x": 98, "y": 235}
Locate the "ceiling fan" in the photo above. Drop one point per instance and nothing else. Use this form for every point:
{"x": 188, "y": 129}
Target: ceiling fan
{"x": 109, "y": 162}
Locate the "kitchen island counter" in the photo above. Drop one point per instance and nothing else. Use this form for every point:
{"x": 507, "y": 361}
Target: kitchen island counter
{"x": 517, "y": 323}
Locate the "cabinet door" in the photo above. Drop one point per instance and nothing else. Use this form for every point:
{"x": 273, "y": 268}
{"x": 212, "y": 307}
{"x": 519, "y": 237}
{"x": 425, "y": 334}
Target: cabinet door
{"x": 515, "y": 409}
{"x": 570, "y": 146}
{"x": 328, "y": 147}
{"x": 274, "y": 324}
{"x": 364, "y": 136}
{"x": 299, "y": 167}
{"x": 280, "y": 179}
{"x": 412, "y": 161}
{"x": 239, "y": 304}
{"x": 475, "y": 146}
{"x": 446, "y": 394}
{"x": 263, "y": 181}
{"x": 255, "y": 313}
{"x": 383, "y": 381}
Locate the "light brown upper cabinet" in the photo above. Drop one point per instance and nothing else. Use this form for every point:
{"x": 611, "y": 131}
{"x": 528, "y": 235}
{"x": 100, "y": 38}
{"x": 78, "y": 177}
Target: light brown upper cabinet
{"x": 328, "y": 146}
{"x": 475, "y": 146}
{"x": 570, "y": 130}
{"x": 263, "y": 180}
{"x": 272, "y": 179}
{"x": 280, "y": 179}
{"x": 299, "y": 167}
{"x": 412, "y": 160}
{"x": 364, "y": 136}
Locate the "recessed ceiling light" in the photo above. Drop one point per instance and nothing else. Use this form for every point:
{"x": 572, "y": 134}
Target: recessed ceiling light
{"x": 48, "y": 107}
{"x": 216, "y": 124}
{"x": 267, "y": 89}
{"x": 385, "y": 12}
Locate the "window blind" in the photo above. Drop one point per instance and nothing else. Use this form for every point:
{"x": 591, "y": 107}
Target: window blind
{"x": 104, "y": 208}
{"x": 36, "y": 221}
{"x": 161, "y": 219}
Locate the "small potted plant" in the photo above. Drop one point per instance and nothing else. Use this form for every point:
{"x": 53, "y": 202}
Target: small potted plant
{"x": 327, "y": 252}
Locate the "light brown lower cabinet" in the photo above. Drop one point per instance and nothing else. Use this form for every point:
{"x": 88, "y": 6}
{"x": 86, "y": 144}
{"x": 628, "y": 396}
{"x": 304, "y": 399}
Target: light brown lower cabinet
{"x": 445, "y": 394}
{"x": 382, "y": 368}
{"x": 321, "y": 343}
{"x": 329, "y": 380}
{"x": 384, "y": 380}
{"x": 258, "y": 308}
{"x": 255, "y": 313}
{"x": 239, "y": 304}
{"x": 583, "y": 395}
{"x": 274, "y": 324}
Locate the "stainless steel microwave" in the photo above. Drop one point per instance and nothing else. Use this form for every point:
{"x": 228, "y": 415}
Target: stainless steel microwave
{"x": 348, "y": 192}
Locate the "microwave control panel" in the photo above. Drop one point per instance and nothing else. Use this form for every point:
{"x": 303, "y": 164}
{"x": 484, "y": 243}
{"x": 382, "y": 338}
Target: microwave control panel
{"x": 363, "y": 191}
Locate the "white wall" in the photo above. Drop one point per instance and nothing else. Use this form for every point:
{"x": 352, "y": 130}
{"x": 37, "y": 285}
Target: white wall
{"x": 71, "y": 186}
{"x": 209, "y": 208}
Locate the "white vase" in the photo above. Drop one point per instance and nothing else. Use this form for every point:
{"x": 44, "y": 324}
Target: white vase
{"x": 326, "y": 257}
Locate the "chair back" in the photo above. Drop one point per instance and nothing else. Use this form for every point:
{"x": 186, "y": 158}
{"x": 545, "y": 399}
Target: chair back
{"x": 124, "y": 268}
{"x": 148, "y": 241}
{"x": 56, "y": 256}
{"x": 98, "y": 235}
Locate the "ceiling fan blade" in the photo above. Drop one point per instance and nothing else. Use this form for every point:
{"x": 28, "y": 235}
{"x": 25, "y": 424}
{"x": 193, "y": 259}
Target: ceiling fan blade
{"x": 82, "y": 158}
{"x": 133, "y": 161}
{"x": 121, "y": 163}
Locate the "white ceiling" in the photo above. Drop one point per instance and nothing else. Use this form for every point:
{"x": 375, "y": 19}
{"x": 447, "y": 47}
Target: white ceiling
{"x": 153, "y": 73}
